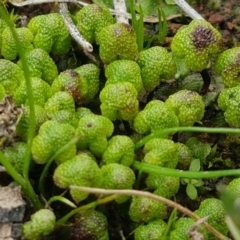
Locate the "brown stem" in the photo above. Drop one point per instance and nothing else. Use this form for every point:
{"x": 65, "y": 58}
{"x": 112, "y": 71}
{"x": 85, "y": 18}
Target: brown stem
{"x": 206, "y": 81}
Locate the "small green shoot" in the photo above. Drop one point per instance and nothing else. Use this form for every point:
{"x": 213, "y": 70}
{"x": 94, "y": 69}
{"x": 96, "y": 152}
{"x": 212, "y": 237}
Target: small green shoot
{"x": 193, "y": 184}
{"x": 13, "y": 17}
{"x": 63, "y": 200}
{"x": 162, "y": 25}
{"x": 137, "y": 24}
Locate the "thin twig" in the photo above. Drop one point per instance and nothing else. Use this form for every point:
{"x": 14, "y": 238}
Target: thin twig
{"x": 130, "y": 192}
{"x": 149, "y": 19}
{"x": 120, "y": 6}
{"x": 63, "y": 10}
{"x": 191, "y": 12}
{"x": 21, "y": 3}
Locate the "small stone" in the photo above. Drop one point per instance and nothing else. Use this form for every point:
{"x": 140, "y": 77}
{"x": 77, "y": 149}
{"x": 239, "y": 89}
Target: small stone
{"x": 12, "y": 206}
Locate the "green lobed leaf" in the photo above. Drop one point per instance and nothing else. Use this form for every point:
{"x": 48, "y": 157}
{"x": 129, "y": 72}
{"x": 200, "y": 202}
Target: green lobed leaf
{"x": 191, "y": 191}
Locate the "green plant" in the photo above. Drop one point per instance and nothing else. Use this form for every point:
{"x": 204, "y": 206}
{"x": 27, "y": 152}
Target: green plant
{"x": 50, "y": 33}
{"x": 51, "y": 137}
{"x": 91, "y": 20}
{"x": 75, "y": 124}
{"x": 196, "y": 44}
{"x": 120, "y": 149}
{"x": 117, "y": 176}
{"x": 41, "y": 92}
{"x": 143, "y": 209}
{"x": 153, "y": 230}
{"x": 117, "y": 41}
{"x": 40, "y": 65}
{"x": 41, "y": 224}
{"x": 187, "y": 105}
{"x": 9, "y": 48}
{"x": 93, "y": 131}
{"x": 125, "y": 71}
{"x": 90, "y": 224}
{"x": 119, "y": 101}
{"x": 11, "y": 75}
{"x": 156, "y": 115}
{"x": 228, "y": 102}
{"x": 227, "y": 65}
{"x": 193, "y": 184}
{"x": 156, "y": 63}
{"x": 81, "y": 170}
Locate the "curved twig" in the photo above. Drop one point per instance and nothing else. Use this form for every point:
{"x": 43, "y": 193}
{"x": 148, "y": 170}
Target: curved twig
{"x": 63, "y": 10}
{"x": 170, "y": 203}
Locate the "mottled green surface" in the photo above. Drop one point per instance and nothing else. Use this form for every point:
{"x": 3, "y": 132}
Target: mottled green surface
{"x": 50, "y": 33}
{"x": 91, "y": 224}
{"x": 91, "y": 19}
{"x": 41, "y": 224}
{"x": 94, "y": 131}
{"x": 156, "y": 115}
{"x": 119, "y": 101}
{"x": 51, "y": 137}
{"x": 228, "y": 101}
{"x": 161, "y": 152}
{"x": 9, "y": 48}
{"x": 41, "y": 65}
{"x": 81, "y": 170}
{"x": 124, "y": 71}
{"x": 23, "y": 124}
{"x": 117, "y": 176}
{"x": 41, "y": 92}
{"x": 214, "y": 209}
{"x": 156, "y": 63}
{"x": 228, "y": 66}
{"x": 144, "y": 209}
{"x": 187, "y": 105}
{"x": 154, "y": 230}
{"x": 61, "y": 107}
{"x": 117, "y": 41}
{"x": 11, "y": 75}
{"x": 196, "y": 44}
{"x": 120, "y": 149}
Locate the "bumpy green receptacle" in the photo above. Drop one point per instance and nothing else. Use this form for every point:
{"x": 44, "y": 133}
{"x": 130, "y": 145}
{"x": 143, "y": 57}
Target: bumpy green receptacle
{"x": 91, "y": 19}
{"x": 187, "y": 105}
{"x": 214, "y": 209}
{"x": 11, "y": 76}
{"x": 228, "y": 66}
{"x": 119, "y": 101}
{"x": 41, "y": 92}
{"x": 144, "y": 209}
{"x": 154, "y": 230}
{"x": 228, "y": 101}
{"x": 117, "y": 176}
{"x": 234, "y": 187}
{"x": 90, "y": 224}
{"x": 196, "y": 44}
{"x": 51, "y": 137}
{"x": 124, "y": 71}
{"x": 161, "y": 152}
{"x": 94, "y": 131}
{"x": 155, "y": 116}
{"x": 117, "y": 41}
{"x": 41, "y": 65}
{"x": 120, "y": 149}
{"x": 42, "y": 223}
{"x": 81, "y": 170}
{"x": 9, "y": 48}
{"x": 50, "y": 33}
{"x": 156, "y": 63}
{"x": 182, "y": 227}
